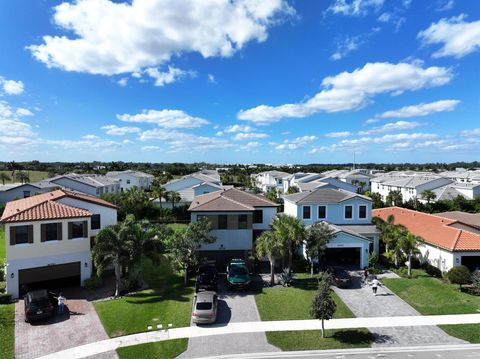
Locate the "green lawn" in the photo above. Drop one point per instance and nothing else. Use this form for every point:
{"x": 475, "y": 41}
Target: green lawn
{"x": 7, "y": 332}
{"x": 3, "y": 253}
{"x": 294, "y": 303}
{"x": 177, "y": 226}
{"x": 35, "y": 176}
{"x": 168, "y": 349}
{"x": 432, "y": 296}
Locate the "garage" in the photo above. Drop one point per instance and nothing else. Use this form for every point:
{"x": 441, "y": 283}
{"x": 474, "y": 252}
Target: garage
{"x": 472, "y": 262}
{"x": 343, "y": 257}
{"x": 49, "y": 277}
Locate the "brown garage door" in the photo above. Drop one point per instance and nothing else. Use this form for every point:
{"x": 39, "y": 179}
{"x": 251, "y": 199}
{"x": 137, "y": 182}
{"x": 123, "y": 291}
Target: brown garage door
{"x": 48, "y": 273}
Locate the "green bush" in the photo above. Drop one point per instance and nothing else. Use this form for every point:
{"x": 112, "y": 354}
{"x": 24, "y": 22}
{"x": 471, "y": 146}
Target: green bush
{"x": 93, "y": 282}
{"x": 402, "y": 272}
{"x": 433, "y": 271}
{"x": 476, "y": 281}
{"x": 415, "y": 263}
{"x": 372, "y": 260}
{"x": 375, "y": 271}
{"x": 5, "y": 298}
{"x": 3, "y": 286}
{"x": 459, "y": 275}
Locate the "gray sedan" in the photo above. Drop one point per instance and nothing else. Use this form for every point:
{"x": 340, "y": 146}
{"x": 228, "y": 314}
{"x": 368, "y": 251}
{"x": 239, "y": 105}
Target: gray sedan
{"x": 205, "y": 307}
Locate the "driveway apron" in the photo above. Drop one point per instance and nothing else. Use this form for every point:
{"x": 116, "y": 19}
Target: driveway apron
{"x": 363, "y": 303}
{"x": 232, "y": 307}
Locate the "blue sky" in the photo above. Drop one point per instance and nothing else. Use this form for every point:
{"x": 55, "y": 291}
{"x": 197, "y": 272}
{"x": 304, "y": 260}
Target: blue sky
{"x": 245, "y": 81}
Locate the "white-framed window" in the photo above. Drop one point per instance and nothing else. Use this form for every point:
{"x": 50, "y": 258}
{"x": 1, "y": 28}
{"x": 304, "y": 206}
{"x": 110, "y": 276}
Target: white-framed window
{"x": 348, "y": 212}
{"x": 128, "y": 181}
{"x": 322, "y": 212}
{"x": 362, "y": 211}
{"x": 307, "y": 212}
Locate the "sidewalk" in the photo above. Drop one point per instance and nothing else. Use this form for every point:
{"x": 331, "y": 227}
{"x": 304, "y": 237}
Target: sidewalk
{"x": 363, "y": 303}
{"x": 257, "y": 327}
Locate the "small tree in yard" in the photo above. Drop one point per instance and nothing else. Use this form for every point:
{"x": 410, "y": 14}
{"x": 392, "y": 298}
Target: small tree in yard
{"x": 459, "y": 275}
{"x": 408, "y": 245}
{"x": 316, "y": 239}
{"x": 323, "y": 306}
{"x": 183, "y": 245}
{"x": 476, "y": 280}
{"x": 269, "y": 245}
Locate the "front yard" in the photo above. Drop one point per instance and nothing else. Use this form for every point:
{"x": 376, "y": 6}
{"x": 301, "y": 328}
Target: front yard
{"x": 3, "y": 246}
{"x": 294, "y": 303}
{"x": 7, "y": 330}
{"x": 432, "y": 296}
{"x": 167, "y": 301}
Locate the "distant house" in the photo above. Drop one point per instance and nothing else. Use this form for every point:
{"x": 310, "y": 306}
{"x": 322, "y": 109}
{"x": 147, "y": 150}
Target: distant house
{"x": 129, "y": 179}
{"x": 449, "y": 239}
{"x": 451, "y": 191}
{"x": 359, "y": 177}
{"x": 91, "y": 184}
{"x": 237, "y": 218}
{"x": 49, "y": 238}
{"x": 266, "y": 181}
{"x": 348, "y": 214}
{"x": 13, "y": 191}
{"x": 313, "y": 181}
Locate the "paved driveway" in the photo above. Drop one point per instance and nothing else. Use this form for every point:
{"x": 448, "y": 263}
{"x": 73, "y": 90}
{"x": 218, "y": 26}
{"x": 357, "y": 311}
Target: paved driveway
{"x": 232, "y": 307}
{"x": 363, "y": 303}
{"x": 80, "y": 326}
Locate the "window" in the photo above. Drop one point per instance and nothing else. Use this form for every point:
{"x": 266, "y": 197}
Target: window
{"x": 77, "y": 229}
{"x": 20, "y": 234}
{"x": 222, "y": 221}
{"x": 322, "y": 212}
{"x": 258, "y": 216}
{"x": 242, "y": 221}
{"x": 26, "y": 194}
{"x": 128, "y": 181}
{"x": 95, "y": 222}
{"x": 348, "y": 212}
{"x": 306, "y": 212}
{"x": 362, "y": 211}
{"x": 280, "y": 181}
{"x": 51, "y": 232}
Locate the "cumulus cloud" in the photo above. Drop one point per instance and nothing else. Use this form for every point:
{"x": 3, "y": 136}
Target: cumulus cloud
{"x": 421, "y": 110}
{"x": 239, "y": 128}
{"x": 115, "y": 130}
{"x": 11, "y": 87}
{"x": 123, "y": 81}
{"x": 163, "y": 78}
{"x": 353, "y": 90}
{"x": 296, "y": 143}
{"x": 165, "y": 118}
{"x": 355, "y": 7}
{"x": 110, "y": 37}
{"x": 151, "y": 148}
{"x": 242, "y": 136}
{"x": 338, "y": 134}
{"x": 392, "y": 127}
{"x": 457, "y": 37}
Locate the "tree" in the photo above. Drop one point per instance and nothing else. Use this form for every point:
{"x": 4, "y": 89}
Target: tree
{"x": 376, "y": 199}
{"x": 111, "y": 248}
{"x": 271, "y": 246}
{"x": 183, "y": 245}
{"x": 291, "y": 230}
{"x": 323, "y": 306}
{"x": 362, "y": 185}
{"x": 159, "y": 192}
{"x": 292, "y": 190}
{"x": 316, "y": 239}
{"x": 4, "y": 177}
{"x": 175, "y": 198}
{"x": 408, "y": 245}
{"x": 135, "y": 201}
{"x": 23, "y": 177}
{"x": 428, "y": 195}
{"x": 476, "y": 280}
{"x": 394, "y": 198}
{"x": 390, "y": 234}
{"x": 459, "y": 275}
{"x": 272, "y": 195}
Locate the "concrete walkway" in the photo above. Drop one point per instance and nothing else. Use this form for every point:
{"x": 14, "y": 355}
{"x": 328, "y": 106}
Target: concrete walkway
{"x": 363, "y": 303}
{"x": 103, "y": 346}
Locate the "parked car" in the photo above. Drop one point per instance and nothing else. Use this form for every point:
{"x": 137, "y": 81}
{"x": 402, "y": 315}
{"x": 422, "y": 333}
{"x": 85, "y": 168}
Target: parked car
{"x": 341, "y": 278}
{"x": 207, "y": 277}
{"x": 39, "y": 304}
{"x": 205, "y": 307}
{"x": 237, "y": 275}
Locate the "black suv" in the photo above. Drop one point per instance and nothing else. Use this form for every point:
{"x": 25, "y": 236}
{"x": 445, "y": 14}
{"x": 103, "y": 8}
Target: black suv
{"x": 206, "y": 278}
{"x": 39, "y": 304}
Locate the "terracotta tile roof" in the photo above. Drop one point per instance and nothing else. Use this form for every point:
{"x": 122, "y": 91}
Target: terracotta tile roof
{"x": 434, "y": 229}
{"x": 45, "y": 206}
{"x": 229, "y": 200}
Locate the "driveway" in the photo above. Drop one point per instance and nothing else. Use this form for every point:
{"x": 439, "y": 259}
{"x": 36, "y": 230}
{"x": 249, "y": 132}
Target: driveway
{"x": 363, "y": 303}
{"x": 79, "y": 325}
{"x": 232, "y": 307}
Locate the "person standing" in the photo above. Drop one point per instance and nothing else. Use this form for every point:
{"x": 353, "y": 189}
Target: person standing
{"x": 365, "y": 274}
{"x": 375, "y": 284}
{"x": 61, "y": 303}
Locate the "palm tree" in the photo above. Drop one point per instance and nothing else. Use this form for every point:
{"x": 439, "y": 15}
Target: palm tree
{"x": 390, "y": 233}
{"x": 394, "y": 198}
{"x": 428, "y": 195}
{"x": 12, "y": 166}
{"x": 111, "y": 248}
{"x": 317, "y": 237}
{"x": 408, "y": 245}
{"x": 23, "y": 177}
{"x": 175, "y": 198}
{"x": 291, "y": 230}
{"x": 271, "y": 246}
{"x": 159, "y": 192}
{"x": 4, "y": 177}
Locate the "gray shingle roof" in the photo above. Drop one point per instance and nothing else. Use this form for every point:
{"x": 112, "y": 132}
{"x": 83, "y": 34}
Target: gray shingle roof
{"x": 322, "y": 195}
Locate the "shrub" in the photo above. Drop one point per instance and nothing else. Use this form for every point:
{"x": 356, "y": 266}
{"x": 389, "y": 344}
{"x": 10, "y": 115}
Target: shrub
{"x": 93, "y": 282}
{"x": 402, "y": 272}
{"x": 372, "y": 260}
{"x": 433, "y": 271}
{"x": 2, "y": 273}
{"x": 375, "y": 271}
{"x": 476, "y": 281}
{"x": 415, "y": 263}
{"x": 300, "y": 264}
{"x": 5, "y": 298}
{"x": 3, "y": 286}
{"x": 459, "y": 275}
{"x": 285, "y": 278}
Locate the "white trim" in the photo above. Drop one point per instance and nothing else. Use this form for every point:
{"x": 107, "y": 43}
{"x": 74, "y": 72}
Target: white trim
{"x": 366, "y": 211}
{"x": 344, "y": 214}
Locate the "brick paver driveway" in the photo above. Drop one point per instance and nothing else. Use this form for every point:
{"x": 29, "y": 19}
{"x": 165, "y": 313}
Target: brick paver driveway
{"x": 232, "y": 307}
{"x": 363, "y": 303}
{"x": 80, "y": 326}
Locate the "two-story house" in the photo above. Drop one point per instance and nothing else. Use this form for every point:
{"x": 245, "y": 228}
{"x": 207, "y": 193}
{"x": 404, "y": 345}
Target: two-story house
{"x": 348, "y": 214}
{"x": 270, "y": 180}
{"x": 237, "y": 219}
{"x": 91, "y": 184}
{"x": 49, "y": 238}
{"x": 129, "y": 179}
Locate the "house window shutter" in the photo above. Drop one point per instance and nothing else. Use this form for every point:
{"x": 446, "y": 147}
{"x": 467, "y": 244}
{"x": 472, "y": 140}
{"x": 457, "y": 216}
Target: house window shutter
{"x": 12, "y": 236}
{"x": 69, "y": 230}
{"x": 85, "y": 229}
{"x": 43, "y": 232}
{"x": 30, "y": 233}
{"x": 59, "y": 231}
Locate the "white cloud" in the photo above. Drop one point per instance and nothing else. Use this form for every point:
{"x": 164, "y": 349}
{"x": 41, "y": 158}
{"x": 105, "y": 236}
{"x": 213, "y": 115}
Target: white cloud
{"x": 355, "y": 7}
{"x": 473, "y": 132}
{"x": 345, "y": 46}
{"x": 296, "y": 143}
{"x": 123, "y": 81}
{"x": 22, "y": 112}
{"x": 421, "y": 110}
{"x": 444, "y": 5}
{"x": 458, "y": 38}
{"x": 353, "y": 90}
{"x": 15, "y": 128}
{"x": 151, "y": 148}
{"x": 242, "y": 136}
{"x": 239, "y": 128}
{"x": 392, "y": 127}
{"x": 165, "y": 118}
{"x": 11, "y": 87}
{"x": 211, "y": 78}
{"x": 399, "y": 146}
{"x": 119, "y": 37}
{"x": 90, "y": 137}
{"x": 338, "y": 134}
{"x": 119, "y": 131}
{"x": 163, "y": 78}
{"x": 250, "y": 146}
{"x": 371, "y": 120}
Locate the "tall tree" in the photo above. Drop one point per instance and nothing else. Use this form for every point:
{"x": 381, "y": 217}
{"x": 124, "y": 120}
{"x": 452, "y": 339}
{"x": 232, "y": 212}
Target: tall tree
{"x": 323, "y": 305}
{"x": 292, "y": 231}
{"x": 271, "y": 246}
{"x": 376, "y": 199}
{"x": 135, "y": 201}
{"x": 175, "y": 198}
{"x": 408, "y": 245}
{"x": 390, "y": 234}
{"x": 4, "y": 177}
{"x": 22, "y": 176}
{"x": 394, "y": 198}
{"x": 159, "y": 192}
{"x": 428, "y": 195}
{"x": 316, "y": 239}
